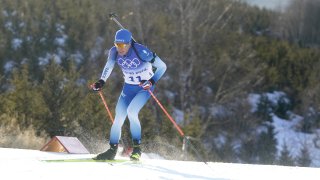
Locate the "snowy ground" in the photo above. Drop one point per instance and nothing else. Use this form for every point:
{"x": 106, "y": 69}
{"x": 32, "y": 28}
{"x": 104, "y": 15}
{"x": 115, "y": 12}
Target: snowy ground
{"x": 286, "y": 134}
{"x": 286, "y": 131}
{"x": 27, "y": 164}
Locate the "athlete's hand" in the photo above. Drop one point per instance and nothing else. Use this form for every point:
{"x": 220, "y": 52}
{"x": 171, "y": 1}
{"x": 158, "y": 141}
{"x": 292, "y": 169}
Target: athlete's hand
{"x": 146, "y": 84}
{"x": 97, "y": 86}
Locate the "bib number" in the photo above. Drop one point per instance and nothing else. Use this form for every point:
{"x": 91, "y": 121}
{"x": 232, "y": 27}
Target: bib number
{"x": 135, "y": 79}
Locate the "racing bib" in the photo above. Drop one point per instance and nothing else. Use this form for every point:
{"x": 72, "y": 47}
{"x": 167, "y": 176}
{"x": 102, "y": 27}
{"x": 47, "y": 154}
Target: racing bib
{"x": 134, "y": 70}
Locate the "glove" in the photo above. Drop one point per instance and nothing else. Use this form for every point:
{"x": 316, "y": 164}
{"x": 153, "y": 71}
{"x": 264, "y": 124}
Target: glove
{"x": 146, "y": 84}
{"x": 97, "y": 86}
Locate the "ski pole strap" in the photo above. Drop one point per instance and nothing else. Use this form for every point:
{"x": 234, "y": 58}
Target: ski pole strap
{"x": 167, "y": 114}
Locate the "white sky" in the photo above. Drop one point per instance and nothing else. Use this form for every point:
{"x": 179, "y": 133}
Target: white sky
{"x": 27, "y": 164}
{"x": 271, "y": 4}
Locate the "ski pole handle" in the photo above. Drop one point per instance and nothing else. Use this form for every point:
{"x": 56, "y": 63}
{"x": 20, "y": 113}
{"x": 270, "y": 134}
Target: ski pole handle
{"x": 104, "y": 102}
{"x": 113, "y": 16}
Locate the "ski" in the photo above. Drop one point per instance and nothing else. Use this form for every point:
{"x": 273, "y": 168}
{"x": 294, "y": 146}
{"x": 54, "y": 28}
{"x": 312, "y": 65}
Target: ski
{"x": 115, "y": 161}
{"x": 86, "y": 160}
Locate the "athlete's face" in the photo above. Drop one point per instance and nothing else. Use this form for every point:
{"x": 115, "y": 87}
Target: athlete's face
{"x": 122, "y": 48}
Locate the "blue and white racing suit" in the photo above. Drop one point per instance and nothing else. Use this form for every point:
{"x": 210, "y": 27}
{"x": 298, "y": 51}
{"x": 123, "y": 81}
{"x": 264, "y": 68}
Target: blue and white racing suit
{"x": 133, "y": 97}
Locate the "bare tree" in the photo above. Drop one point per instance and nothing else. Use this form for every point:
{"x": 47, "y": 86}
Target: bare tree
{"x": 300, "y": 22}
{"x": 191, "y": 18}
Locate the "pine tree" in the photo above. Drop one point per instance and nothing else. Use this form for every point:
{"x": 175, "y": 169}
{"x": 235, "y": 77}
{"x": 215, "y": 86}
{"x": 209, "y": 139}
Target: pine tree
{"x": 248, "y": 152}
{"x": 304, "y": 159}
{"x": 52, "y": 88}
{"x": 285, "y": 157}
{"x": 266, "y": 146}
{"x": 24, "y": 99}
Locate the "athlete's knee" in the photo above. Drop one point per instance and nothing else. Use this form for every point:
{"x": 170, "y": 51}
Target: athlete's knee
{"x": 134, "y": 118}
{"x": 116, "y": 126}
{"x": 132, "y": 114}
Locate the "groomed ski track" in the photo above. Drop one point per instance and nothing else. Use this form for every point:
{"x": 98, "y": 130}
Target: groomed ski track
{"x": 28, "y": 164}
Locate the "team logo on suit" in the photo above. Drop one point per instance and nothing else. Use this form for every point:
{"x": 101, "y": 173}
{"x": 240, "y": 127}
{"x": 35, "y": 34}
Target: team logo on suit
{"x": 129, "y": 63}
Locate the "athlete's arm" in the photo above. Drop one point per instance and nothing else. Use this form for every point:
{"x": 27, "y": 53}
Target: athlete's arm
{"x": 161, "y": 68}
{"x": 109, "y": 65}
{"x": 148, "y": 56}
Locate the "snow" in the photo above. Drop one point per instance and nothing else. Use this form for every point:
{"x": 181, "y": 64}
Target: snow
{"x": 286, "y": 132}
{"x": 9, "y": 66}
{"x": 96, "y": 51}
{"x": 276, "y": 96}
{"x": 218, "y": 110}
{"x": 8, "y": 26}
{"x": 60, "y": 41}
{"x": 220, "y": 140}
{"x": 42, "y": 61}
{"x": 77, "y": 57}
{"x": 16, "y": 43}
{"x": 253, "y": 99}
{"x": 27, "y": 164}
{"x": 178, "y": 115}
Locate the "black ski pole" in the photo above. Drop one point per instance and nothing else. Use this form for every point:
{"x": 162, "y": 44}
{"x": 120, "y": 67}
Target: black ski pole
{"x": 113, "y": 17}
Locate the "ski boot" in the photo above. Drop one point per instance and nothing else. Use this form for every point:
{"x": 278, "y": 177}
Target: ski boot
{"x": 136, "y": 153}
{"x": 110, "y": 154}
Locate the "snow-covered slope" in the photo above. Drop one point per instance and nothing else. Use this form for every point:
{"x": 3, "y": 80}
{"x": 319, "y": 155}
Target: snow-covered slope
{"x": 288, "y": 131}
{"x": 27, "y": 164}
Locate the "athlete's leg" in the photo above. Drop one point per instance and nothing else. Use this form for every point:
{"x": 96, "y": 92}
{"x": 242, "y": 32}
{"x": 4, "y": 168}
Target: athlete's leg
{"x": 121, "y": 113}
{"x": 120, "y": 116}
{"x": 133, "y": 110}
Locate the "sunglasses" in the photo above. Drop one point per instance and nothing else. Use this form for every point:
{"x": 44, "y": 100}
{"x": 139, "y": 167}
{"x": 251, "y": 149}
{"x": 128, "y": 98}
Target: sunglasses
{"x": 121, "y": 45}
